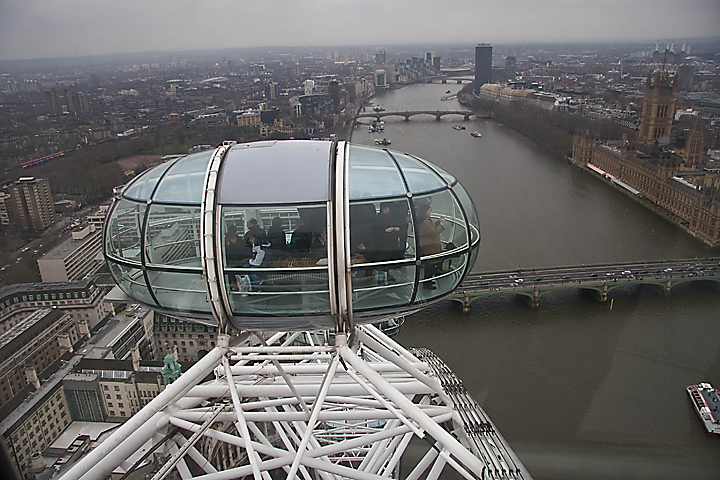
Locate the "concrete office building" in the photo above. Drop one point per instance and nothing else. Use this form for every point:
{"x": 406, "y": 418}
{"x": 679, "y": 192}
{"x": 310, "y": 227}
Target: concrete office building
{"x": 32, "y": 347}
{"x": 110, "y": 390}
{"x": 380, "y": 79}
{"x": 191, "y": 339}
{"x": 34, "y": 425}
{"x": 81, "y": 300}
{"x": 510, "y": 68}
{"x": 73, "y": 259}
{"x": 105, "y": 381}
{"x": 483, "y": 65}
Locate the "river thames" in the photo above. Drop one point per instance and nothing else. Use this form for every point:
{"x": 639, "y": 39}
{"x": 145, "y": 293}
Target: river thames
{"x": 578, "y": 389}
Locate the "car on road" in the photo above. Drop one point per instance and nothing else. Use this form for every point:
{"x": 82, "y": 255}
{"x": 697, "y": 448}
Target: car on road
{"x": 566, "y": 277}
{"x": 593, "y": 274}
{"x": 627, "y": 272}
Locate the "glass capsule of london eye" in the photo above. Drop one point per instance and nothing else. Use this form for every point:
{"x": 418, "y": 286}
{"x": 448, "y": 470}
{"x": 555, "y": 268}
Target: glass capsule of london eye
{"x": 291, "y": 235}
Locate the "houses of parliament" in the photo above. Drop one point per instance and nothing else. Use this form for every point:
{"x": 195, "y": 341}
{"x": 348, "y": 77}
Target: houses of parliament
{"x": 676, "y": 182}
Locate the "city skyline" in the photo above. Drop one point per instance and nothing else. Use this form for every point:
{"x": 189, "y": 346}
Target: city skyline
{"x": 78, "y": 28}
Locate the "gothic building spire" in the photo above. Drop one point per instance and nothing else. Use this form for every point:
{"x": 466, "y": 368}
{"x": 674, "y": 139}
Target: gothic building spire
{"x": 658, "y": 110}
{"x": 695, "y": 147}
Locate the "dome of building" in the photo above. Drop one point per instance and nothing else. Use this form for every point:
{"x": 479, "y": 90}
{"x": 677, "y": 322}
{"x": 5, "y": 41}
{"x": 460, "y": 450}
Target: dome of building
{"x": 291, "y": 235}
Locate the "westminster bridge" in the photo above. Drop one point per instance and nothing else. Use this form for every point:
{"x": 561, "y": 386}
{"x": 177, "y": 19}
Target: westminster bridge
{"x": 438, "y": 114}
{"x": 596, "y": 279}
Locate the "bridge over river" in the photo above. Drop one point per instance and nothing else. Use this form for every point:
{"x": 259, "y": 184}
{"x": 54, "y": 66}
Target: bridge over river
{"x": 438, "y": 114}
{"x": 598, "y": 279}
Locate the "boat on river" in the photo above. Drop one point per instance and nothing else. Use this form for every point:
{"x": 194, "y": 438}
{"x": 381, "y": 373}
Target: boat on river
{"x": 377, "y": 126}
{"x": 459, "y": 127}
{"x": 384, "y": 141}
{"x": 476, "y": 134}
{"x": 706, "y": 401}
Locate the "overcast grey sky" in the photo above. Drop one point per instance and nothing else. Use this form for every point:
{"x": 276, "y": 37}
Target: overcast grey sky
{"x": 59, "y": 28}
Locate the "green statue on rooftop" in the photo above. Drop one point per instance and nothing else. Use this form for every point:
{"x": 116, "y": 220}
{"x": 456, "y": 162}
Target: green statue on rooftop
{"x": 172, "y": 370}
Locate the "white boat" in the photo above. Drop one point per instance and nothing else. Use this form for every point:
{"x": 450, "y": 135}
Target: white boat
{"x": 384, "y": 141}
{"x": 476, "y": 134}
{"x": 707, "y": 405}
{"x": 459, "y": 127}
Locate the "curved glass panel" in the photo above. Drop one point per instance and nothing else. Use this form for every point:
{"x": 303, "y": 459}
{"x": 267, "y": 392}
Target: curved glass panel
{"x": 469, "y": 207}
{"x": 275, "y": 259}
{"x": 172, "y": 236}
{"x": 441, "y": 224}
{"x": 142, "y": 187}
{"x": 123, "y": 227}
{"x": 382, "y": 286}
{"x": 419, "y": 177}
{"x": 185, "y": 179}
{"x": 440, "y": 276}
{"x": 379, "y": 231}
{"x": 179, "y": 291}
{"x": 132, "y": 282}
{"x": 449, "y": 179}
{"x": 261, "y": 291}
{"x": 275, "y": 237}
{"x": 473, "y": 256}
{"x": 372, "y": 173}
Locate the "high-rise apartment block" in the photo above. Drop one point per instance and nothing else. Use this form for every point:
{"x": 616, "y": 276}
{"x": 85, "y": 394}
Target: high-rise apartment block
{"x": 483, "y": 65}
{"x": 52, "y": 99}
{"x": 272, "y": 91}
{"x": 4, "y": 208}
{"x": 31, "y": 205}
{"x": 77, "y": 103}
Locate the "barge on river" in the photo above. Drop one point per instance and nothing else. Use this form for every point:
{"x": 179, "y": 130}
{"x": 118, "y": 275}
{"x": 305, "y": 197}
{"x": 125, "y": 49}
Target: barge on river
{"x": 707, "y": 405}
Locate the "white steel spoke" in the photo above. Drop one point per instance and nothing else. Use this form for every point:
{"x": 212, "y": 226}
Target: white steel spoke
{"x": 177, "y": 456}
{"x": 276, "y": 409}
{"x": 240, "y": 422}
{"x": 314, "y": 415}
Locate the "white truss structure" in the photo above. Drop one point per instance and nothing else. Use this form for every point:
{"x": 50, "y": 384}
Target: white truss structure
{"x": 279, "y": 408}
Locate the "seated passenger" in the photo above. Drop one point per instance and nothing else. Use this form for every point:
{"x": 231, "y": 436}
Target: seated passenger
{"x": 276, "y": 234}
{"x": 254, "y": 229}
{"x": 301, "y": 238}
{"x": 236, "y": 253}
{"x": 318, "y": 246}
{"x": 257, "y": 260}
